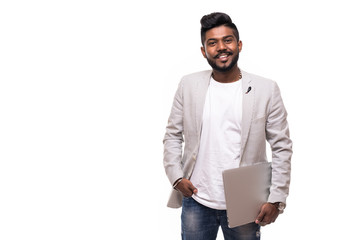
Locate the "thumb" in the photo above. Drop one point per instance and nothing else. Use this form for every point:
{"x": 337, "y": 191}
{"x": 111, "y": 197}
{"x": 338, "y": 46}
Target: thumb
{"x": 260, "y": 217}
{"x": 192, "y": 188}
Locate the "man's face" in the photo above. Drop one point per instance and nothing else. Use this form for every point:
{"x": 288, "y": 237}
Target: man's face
{"x": 221, "y": 48}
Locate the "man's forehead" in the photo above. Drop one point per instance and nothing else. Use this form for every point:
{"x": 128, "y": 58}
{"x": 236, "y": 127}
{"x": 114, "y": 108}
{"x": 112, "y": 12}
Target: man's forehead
{"x": 219, "y": 32}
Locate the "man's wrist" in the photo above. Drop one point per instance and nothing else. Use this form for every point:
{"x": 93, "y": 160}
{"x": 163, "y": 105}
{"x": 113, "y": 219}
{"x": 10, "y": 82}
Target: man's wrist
{"x": 280, "y": 206}
{"x": 176, "y": 183}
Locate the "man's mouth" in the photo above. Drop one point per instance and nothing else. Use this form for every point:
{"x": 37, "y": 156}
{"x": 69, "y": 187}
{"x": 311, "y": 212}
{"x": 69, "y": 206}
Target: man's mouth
{"x": 223, "y": 56}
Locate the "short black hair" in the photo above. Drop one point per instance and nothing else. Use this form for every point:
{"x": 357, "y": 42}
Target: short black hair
{"x": 217, "y": 19}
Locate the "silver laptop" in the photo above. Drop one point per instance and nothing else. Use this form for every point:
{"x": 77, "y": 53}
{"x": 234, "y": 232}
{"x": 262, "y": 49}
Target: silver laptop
{"x": 246, "y": 190}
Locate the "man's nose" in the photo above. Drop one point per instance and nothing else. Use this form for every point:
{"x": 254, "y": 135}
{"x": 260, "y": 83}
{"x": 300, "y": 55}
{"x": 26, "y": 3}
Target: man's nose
{"x": 221, "y": 46}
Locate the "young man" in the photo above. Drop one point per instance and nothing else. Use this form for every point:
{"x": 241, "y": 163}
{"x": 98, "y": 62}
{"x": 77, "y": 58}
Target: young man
{"x": 225, "y": 116}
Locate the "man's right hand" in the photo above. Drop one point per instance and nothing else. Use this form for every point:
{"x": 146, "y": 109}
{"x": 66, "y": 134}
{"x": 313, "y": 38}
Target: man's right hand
{"x": 186, "y": 188}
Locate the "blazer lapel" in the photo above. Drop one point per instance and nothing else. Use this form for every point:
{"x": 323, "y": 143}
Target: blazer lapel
{"x": 201, "y": 90}
{"x": 247, "y": 110}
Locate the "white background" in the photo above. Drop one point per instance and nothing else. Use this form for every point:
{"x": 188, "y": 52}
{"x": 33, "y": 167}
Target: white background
{"x": 86, "y": 88}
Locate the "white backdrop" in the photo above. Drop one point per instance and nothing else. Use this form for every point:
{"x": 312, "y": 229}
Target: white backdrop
{"x": 86, "y": 89}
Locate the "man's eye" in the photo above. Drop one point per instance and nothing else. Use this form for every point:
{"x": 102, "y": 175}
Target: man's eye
{"x": 212, "y": 43}
{"x": 228, "y": 40}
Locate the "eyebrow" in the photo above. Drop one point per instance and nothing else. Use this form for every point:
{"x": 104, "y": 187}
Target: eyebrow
{"x": 212, "y": 39}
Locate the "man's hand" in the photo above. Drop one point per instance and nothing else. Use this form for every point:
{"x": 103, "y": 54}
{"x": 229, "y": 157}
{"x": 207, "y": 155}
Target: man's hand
{"x": 186, "y": 188}
{"x": 268, "y": 214}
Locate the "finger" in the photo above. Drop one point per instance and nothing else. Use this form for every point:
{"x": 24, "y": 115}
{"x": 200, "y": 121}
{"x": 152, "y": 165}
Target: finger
{"x": 267, "y": 219}
{"x": 260, "y": 217}
{"x": 187, "y": 192}
{"x": 192, "y": 188}
{"x": 274, "y": 217}
{"x": 262, "y": 224}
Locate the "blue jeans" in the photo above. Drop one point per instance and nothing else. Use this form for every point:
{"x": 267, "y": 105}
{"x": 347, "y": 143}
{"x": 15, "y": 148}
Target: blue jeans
{"x": 202, "y": 223}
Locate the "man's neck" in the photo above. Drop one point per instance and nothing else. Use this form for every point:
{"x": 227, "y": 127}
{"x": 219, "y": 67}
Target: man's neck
{"x": 232, "y": 75}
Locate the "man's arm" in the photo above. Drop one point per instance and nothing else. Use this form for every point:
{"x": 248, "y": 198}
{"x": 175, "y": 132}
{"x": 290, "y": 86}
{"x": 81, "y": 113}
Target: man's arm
{"x": 173, "y": 139}
{"x": 277, "y": 134}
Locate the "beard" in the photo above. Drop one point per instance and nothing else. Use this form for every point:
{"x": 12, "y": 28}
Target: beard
{"x": 213, "y": 64}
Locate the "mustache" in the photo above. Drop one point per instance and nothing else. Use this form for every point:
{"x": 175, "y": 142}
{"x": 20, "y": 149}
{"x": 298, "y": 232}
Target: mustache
{"x": 227, "y": 52}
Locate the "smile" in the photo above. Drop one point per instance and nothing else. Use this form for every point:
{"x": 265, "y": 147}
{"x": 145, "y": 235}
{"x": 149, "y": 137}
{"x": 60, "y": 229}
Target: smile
{"x": 223, "y": 56}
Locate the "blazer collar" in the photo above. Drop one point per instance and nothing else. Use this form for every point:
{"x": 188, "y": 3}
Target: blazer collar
{"x": 247, "y": 109}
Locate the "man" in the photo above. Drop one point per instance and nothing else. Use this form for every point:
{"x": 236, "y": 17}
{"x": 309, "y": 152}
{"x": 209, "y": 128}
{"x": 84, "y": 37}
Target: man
{"x": 225, "y": 117}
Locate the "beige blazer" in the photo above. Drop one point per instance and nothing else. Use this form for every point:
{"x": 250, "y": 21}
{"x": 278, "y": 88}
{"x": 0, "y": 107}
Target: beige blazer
{"x": 263, "y": 119}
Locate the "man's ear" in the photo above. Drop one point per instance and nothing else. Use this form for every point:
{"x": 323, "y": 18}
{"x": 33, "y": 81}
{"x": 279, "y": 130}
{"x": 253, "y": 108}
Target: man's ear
{"x": 240, "y": 45}
{"x": 203, "y": 52}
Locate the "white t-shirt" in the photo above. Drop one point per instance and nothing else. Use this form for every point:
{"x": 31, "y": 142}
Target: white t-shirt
{"x": 220, "y": 142}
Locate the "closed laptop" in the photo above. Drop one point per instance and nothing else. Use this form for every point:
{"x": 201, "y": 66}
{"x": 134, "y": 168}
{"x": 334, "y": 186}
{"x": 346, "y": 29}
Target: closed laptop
{"x": 246, "y": 190}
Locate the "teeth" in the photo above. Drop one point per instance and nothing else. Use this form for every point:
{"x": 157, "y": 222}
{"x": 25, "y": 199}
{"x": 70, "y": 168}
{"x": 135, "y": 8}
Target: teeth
{"x": 223, "y": 55}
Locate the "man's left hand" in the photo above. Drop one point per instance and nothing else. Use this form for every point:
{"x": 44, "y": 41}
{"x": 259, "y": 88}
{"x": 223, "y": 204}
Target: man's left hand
{"x": 268, "y": 214}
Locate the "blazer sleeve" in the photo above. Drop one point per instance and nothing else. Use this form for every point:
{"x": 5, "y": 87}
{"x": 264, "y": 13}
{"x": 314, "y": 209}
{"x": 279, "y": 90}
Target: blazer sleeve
{"x": 277, "y": 134}
{"x": 173, "y": 139}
